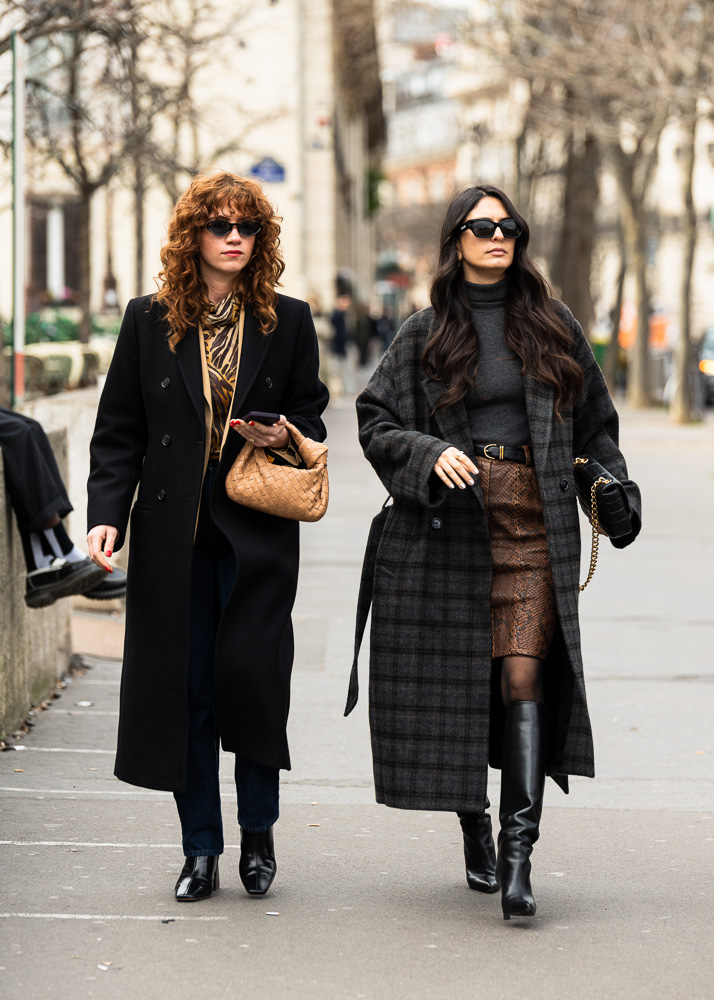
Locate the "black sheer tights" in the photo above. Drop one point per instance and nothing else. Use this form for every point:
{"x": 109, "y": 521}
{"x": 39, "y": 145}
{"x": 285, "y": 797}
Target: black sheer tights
{"x": 521, "y": 679}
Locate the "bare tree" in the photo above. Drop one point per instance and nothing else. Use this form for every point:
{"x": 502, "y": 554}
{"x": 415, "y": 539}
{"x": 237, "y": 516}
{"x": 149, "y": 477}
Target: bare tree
{"x": 193, "y": 35}
{"x": 35, "y": 19}
{"x": 169, "y": 48}
{"x": 610, "y": 74}
{"x": 696, "y": 77}
{"x": 80, "y": 113}
{"x": 108, "y": 79}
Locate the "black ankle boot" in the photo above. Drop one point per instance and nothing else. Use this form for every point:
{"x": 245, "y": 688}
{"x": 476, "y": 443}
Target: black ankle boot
{"x": 479, "y": 851}
{"x": 522, "y": 784}
{"x": 257, "y": 865}
{"x": 198, "y": 878}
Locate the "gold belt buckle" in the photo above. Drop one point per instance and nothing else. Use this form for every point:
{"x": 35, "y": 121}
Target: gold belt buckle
{"x": 493, "y": 457}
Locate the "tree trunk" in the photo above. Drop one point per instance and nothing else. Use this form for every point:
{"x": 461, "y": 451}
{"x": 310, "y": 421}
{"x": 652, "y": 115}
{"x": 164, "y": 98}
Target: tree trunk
{"x": 82, "y": 244}
{"x": 639, "y": 393}
{"x": 633, "y": 226}
{"x": 681, "y": 409}
{"x": 139, "y": 195}
{"x": 573, "y": 259}
{"x": 613, "y": 348}
{"x": 139, "y": 173}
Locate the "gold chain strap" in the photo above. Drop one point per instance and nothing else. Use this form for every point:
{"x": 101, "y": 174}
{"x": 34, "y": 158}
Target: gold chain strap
{"x": 595, "y": 523}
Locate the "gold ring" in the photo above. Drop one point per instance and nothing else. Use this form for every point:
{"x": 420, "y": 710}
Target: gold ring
{"x": 252, "y": 440}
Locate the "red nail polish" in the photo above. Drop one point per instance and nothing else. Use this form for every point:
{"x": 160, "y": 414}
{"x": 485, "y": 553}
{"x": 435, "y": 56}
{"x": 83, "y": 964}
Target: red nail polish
{"x": 111, "y": 569}
{"x": 252, "y": 423}
{"x": 108, "y": 552}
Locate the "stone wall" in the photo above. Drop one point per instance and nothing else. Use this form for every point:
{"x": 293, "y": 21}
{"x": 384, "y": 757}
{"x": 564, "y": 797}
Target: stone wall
{"x": 34, "y": 643}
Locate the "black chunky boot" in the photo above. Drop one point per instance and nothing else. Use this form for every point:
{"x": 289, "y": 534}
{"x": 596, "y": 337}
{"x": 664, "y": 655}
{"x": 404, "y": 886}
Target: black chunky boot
{"x": 198, "y": 878}
{"x": 522, "y": 785}
{"x": 479, "y": 851}
{"x": 257, "y": 865}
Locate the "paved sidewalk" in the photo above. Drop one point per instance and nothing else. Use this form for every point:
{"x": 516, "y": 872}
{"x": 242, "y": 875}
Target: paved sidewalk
{"x": 372, "y": 902}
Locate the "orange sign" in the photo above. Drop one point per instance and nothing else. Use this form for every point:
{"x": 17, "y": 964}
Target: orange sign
{"x": 658, "y": 326}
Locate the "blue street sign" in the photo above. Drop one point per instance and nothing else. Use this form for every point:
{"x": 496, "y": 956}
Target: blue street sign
{"x": 268, "y": 170}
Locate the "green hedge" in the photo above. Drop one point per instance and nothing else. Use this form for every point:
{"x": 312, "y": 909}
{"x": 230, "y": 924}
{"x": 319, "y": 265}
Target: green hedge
{"x": 42, "y": 328}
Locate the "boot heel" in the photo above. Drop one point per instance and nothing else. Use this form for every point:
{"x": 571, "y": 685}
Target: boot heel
{"x": 479, "y": 851}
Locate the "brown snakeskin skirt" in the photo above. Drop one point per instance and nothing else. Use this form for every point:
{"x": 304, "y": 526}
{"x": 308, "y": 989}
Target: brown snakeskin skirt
{"x": 523, "y": 611}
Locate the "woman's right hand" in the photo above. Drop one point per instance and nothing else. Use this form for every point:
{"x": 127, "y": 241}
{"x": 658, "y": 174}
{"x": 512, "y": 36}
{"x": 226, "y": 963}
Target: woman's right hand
{"x": 455, "y": 468}
{"x": 100, "y": 544}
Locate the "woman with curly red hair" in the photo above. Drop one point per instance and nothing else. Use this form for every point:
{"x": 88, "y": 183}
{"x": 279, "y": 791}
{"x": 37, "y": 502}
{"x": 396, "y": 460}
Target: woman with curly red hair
{"x": 211, "y": 584}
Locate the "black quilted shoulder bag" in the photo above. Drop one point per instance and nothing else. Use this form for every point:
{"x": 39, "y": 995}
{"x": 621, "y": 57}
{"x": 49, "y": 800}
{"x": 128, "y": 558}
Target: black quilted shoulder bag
{"x": 604, "y": 502}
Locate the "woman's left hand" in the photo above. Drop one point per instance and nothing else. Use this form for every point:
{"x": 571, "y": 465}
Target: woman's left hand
{"x": 264, "y": 435}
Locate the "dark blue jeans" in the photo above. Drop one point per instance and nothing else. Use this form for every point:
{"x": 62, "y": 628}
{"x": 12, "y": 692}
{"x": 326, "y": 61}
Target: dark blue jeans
{"x": 213, "y": 574}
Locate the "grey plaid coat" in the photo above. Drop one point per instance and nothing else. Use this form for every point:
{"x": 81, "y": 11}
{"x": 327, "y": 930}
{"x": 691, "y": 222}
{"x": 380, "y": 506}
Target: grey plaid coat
{"x": 434, "y": 704}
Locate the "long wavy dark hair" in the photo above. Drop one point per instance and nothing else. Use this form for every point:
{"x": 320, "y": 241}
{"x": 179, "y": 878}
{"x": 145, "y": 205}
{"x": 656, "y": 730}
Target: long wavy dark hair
{"x": 534, "y": 329}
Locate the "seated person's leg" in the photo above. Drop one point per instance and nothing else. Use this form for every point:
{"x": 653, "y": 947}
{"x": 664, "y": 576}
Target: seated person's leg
{"x": 56, "y": 567}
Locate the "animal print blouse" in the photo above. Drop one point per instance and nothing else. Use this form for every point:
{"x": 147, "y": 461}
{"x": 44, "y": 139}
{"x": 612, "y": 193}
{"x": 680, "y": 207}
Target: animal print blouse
{"x": 219, "y": 327}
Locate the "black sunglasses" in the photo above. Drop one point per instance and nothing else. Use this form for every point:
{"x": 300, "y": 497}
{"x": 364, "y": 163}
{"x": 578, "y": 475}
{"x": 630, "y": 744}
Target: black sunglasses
{"x": 222, "y": 227}
{"x": 483, "y": 229}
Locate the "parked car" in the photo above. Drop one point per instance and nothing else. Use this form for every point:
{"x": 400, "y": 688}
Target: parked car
{"x": 706, "y": 365}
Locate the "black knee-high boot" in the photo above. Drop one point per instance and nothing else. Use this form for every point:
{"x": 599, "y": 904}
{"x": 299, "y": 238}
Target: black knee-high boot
{"x": 522, "y": 784}
{"x": 479, "y": 851}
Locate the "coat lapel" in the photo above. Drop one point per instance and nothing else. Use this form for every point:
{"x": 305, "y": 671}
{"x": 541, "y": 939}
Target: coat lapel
{"x": 539, "y": 404}
{"x": 255, "y": 347}
{"x": 188, "y": 353}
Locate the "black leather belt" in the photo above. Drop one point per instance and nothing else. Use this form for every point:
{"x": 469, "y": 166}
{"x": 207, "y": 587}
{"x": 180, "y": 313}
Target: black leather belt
{"x": 505, "y": 453}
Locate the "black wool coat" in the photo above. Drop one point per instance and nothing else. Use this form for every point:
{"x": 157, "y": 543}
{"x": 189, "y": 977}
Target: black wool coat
{"x": 151, "y": 431}
{"x": 434, "y": 703}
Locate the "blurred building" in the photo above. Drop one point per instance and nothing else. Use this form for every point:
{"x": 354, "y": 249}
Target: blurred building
{"x": 452, "y": 119}
{"x": 290, "y": 96}
{"x": 456, "y": 115}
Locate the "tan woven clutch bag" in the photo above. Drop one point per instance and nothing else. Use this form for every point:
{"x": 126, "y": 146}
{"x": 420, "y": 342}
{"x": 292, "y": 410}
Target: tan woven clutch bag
{"x": 282, "y": 490}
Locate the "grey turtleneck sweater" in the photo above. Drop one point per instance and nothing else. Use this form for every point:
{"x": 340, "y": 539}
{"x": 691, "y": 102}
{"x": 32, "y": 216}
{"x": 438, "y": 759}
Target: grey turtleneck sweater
{"x": 496, "y": 406}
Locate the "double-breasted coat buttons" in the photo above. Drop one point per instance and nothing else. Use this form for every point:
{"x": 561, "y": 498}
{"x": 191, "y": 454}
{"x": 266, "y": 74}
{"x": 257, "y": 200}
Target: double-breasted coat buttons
{"x": 165, "y": 382}
{"x": 436, "y": 522}
{"x": 161, "y": 494}
{"x": 564, "y": 485}
{"x": 166, "y": 440}
{"x": 268, "y": 383}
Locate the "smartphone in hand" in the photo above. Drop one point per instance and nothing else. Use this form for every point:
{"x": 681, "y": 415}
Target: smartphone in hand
{"x": 261, "y": 418}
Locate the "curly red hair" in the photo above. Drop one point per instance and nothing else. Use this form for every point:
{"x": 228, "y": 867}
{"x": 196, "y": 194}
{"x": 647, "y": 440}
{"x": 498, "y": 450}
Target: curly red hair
{"x": 182, "y": 290}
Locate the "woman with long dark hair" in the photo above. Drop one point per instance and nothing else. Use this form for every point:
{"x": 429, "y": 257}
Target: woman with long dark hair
{"x": 472, "y": 422}
{"x": 211, "y": 584}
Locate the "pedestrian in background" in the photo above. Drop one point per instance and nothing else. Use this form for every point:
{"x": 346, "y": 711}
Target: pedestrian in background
{"x": 343, "y": 342}
{"x": 211, "y": 584}
{"x": 472, "y": 422}
{"x": 385, "y": 327}
{"x": 338, "y": 319}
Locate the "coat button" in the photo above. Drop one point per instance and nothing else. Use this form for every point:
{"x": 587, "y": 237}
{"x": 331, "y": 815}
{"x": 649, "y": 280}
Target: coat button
{"x": 564, "y": 485}
{"x": 166, "y": 440}
{"x": 161, "y": 494}
{"x": 165, "y": 382}
{"x": 268, "y": 383}
{"x": 436, "y": 522}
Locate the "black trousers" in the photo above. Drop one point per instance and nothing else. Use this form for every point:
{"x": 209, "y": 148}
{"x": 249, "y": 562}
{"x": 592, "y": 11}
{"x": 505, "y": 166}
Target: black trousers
{"x": 32, "y": 477}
